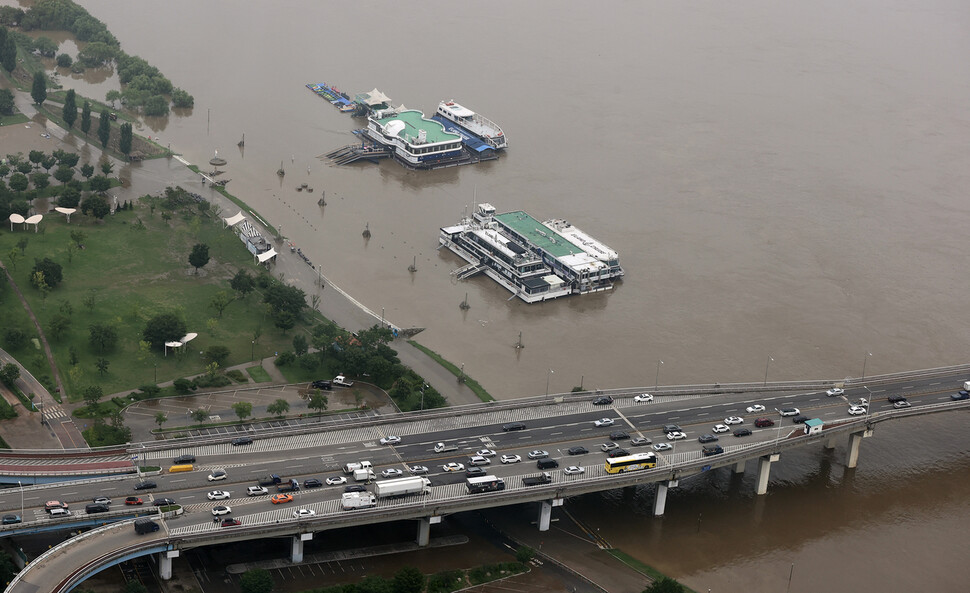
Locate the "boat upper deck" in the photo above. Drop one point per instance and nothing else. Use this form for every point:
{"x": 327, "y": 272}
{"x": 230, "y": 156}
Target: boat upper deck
{"x": 414, "y": 121}
{"x": 538, "y": 234}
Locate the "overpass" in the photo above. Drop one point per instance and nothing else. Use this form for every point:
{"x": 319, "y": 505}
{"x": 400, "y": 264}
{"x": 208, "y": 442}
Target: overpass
{"x": 553, "y": 420}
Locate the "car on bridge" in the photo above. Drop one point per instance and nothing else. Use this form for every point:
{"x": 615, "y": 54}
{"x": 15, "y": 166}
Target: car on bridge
{"x": 475, "y": 472}
{"x": 479, "y": 460}
{"x": 706, "y": 438}
{"x": 858, "y": 410}
{"x": 145, "y": 485}
{"x": 452, "y": 467}
{"x": 312, "y": 483}
{"x": 102, "y": 500}
{"x": 304, "y": 513}
{"x": 221, "y": 510}
{"x": 734, "y": 420}
{"x": 230, "y": 522}
{"x": 390, "y": 440}
{"x": 671, "y": 428}
{"x": 242, "y": 441}
{"x": 513, "y": 426}
{"x": 640, "y": 441}
{"x": 11, "y": 519}
{"x": 676, "y": 436}
{"x": 355, "y": 488}
{"x": 218, "y": 495}
{"x": 538, "y": 454}
{"x": 619, "y": 435}
{"x": 618, "y": 453}
{"x": 392, "y": 472}
{"x": 789, "y": 411}
{"x": 133, "y": 500}
{"x": 719, "y": 428}
{"x": 281, "y": 498}
{"x": 764, "y": 422}
{"x": 742, "y": 432}
{"x": 603, "y": 400}
{"x": 643, "y": 398}
{"x": 835, "y": 391}
{"x": 485, "y": 453}
{"x": 256, "y": 491}
{"x": 579, "y": 450}
{"x": 603, "y": 422}
{"x": 50, "y": 505}
{"x": 511, "y": 458}
{"x": 164, "y": 502}
{"x": 958, "y": 396}
{"x": 755, "y": 409}
{"x": 712, "y": 450}
{"x": 336, "y": 480}
{"x": 800, "y": 419}
{"x": 901, "y": 404}
{"x": 606, "y": 447}
{"x": 663, "y": 447}
{"x": 418, "y": 469}
{"x": 573, "y": 470}
{"x": 895, "y": 398}
{"x": 217, "y": 474}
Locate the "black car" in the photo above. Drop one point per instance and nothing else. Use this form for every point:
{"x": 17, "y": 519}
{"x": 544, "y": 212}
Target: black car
{"x": 578, "y": 450}
{"x": 312, "y": 483}
{"x": 618, "y": 435}
{"x": 742, "y": 432}
{"x": 513, "y": 426}
{"x": 603, "y": 400}
{"x": 184, "y": 459}
{"x": 475, "y": 471}
{"x": 321, "y": 384}
{"x": 800, "y": 419}
{"x": 707, "y": 438}
{"x": 712, "y": 450}
{"x": 145, "y": 485}
{"x": 164, "y": 502}
{"x": 895, "y": 398}
{"x": 355, "y": 488}
{"x": 668, "y": 428}
{"x": 242, "y": 441}
{"x": 958, "y": 396}
{"x": 618, "y": 453}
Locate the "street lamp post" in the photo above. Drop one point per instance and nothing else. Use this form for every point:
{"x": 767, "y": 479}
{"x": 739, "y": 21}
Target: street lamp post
{"x": 656, "y": 378}
{"x": 252, "y": 351}
{"x": 865, "y": 359}
{"x": 548, "y": 376}
{"x": 868, "y": 402}
{"x": 155, "y": 364}
{"x": 382, "y": 317}
{"x": 21, "y": 499}
{"x": 766, "y": 370}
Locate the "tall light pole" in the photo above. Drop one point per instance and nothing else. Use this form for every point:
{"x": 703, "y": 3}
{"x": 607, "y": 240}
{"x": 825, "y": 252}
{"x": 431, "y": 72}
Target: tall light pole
{"x": 865, "y": 359}
{"x": 656, "y": 379}
{"x": 548, "y": 376}
{"x": 382, "y": 317}
{"x": 21, "y": 499}
{"x": 252, "y": 351}
{"x": 770, "y": 359}
{"x": 868, "y": 402}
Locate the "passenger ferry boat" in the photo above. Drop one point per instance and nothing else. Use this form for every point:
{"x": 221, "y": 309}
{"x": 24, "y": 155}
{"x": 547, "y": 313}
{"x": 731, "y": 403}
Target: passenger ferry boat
{"x": 534, "y": 261}
{"x": 474, "y": 123}
{"x": 416, "y": 141}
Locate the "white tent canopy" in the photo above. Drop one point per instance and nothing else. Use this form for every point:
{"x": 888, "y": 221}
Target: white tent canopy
{"x": 15, "y": 219}
{"x": 189, "y": 337}
{"x": 235, "y": 219}
{"x": 375, "y": 97}
{"x": 66, "y": 211}
{"x": 35, "y": 220}
{"x": 262, "y": 257}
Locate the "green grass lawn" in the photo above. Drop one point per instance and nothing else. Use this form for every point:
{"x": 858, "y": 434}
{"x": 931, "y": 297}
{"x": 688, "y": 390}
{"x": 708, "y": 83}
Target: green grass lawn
{"x": 258, "y": 374}
{"x": 134, "y": 272}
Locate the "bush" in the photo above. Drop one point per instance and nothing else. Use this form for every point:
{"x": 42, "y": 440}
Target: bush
{"x": 15, "y": 338}
{"x": 150, "y": 390}
{"x": 237, "y": 376}
{"x": 211, "y": 381}
{"x": 183, "y": 386}
{"x": 285, "y": 359}
{"x": 446, "y": 582}
{"x": 64, "y": 61}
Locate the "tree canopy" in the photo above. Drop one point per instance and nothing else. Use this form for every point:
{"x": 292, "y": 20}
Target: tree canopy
{"x": 199, "y": 256}
{"x": 51, "y": 270}
{"x": 165, "y": 327}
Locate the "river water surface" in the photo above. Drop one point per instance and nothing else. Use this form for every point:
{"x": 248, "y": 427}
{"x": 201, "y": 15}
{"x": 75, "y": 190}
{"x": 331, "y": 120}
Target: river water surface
{"x": 785, "y": 183}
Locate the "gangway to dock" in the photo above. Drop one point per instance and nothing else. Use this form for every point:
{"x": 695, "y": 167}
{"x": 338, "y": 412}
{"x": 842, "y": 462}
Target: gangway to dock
{"x": 466, "y": 272}
{"x": 357, "y": 152}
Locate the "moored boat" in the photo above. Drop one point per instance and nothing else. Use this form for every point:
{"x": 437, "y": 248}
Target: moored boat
{"x": 474, "y": 123}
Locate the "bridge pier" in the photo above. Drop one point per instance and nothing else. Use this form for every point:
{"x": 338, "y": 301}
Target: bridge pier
{"x": 424, "y": 529}
{"x": 296, "y": 547}
{"x": 852, "y": 455}
{"x": 830, "y": 444}
{"x": 660, "y": 499}
{"x": 739, "y": 467}
{"x": 545, "y": 512}
{"x": 764, "y": 469}
{"x": 165, "y": 564}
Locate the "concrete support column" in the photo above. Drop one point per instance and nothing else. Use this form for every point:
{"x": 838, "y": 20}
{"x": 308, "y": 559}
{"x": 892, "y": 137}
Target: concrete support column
{"x": 164, "y": 566}
{"x": 739, "y": 467}
{"x": 545, "y": 515}
{"x": 424, "y": 531}
{"x": 764, "y": 469}
{"x": 852, "y": 455}
{"x": 830, "y": 444}
{"x": 296, "y": 548}
{"x": 660, "y": 500}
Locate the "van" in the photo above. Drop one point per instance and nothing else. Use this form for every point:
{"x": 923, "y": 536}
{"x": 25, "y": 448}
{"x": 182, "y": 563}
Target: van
{"x": 60, "y": 513}
{"x": 183, "y": 467}
{"x": 547, "y": 463}
{"x": 96, "y": 508}
{"x": 185, "y": 459}
{"x": 145, "y": 525}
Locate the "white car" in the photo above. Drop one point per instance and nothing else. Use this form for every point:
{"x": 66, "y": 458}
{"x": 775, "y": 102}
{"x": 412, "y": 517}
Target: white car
{"x": 219, "y": 474}
{"x": 217, "y": 495}
{"x": 511, "y": 459}
{"x": 789, "y": 411}
{"x": 390, "y": 440}
{"x": 856, "y": 410}
{"x": 676, "y": 436}
{"x": 835, "y": 391}
{"x": 301, "y": 513}
{"x": 643, "y": 398}
{"x": 663, "y": 447}
{"x": 336, "y": 480}
{"x": 755, "y": 409}
{"x": 486, "y": 453}
{"x": 538, "y": 454}
{"x": 256, "y": 491}
{"x": 221, "y": 510}
{"x": 453, "y": 467}
{"x": 608, "y": 447}
{"x": 603, "y": 422}
{"x": 392, "y": 472}
{"x": 720, "y": 428}
{"x": 734, "y": 420}
{"x": 573, "y": 470}
{"x": 901, "y": 404}
{"x": 418, "y": 469}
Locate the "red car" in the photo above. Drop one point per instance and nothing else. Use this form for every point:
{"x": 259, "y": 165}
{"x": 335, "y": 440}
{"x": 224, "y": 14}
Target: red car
{"x": 133, "y": 500}
{"x": 231, "y": 522}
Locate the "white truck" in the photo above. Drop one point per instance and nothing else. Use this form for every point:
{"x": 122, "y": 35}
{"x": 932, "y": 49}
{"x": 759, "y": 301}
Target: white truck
{"x": 358, "y": 500}
{"x": 443, "y": 448}
{"x": 966, "y": 385}
{"x": 350, "y": 468}
{"x": 402, "y": 487}
{"x": 363, "y": 475}
{"x": 342, "y": 381}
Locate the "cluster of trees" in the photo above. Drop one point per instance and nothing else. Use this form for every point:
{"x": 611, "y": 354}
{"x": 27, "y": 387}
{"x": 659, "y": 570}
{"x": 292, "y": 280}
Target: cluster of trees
{"x": 405, "y": 580}
{"x": 8, "y": 50}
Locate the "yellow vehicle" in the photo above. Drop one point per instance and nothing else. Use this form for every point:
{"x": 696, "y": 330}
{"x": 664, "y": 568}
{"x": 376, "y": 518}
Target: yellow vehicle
{"x": 185, "y": 467}
{"x": 631, "y": 463}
